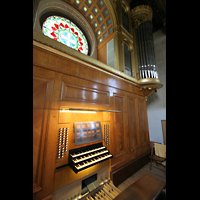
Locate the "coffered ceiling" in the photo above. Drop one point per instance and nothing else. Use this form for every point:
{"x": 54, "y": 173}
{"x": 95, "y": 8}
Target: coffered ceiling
{"x": 97, "y": 15}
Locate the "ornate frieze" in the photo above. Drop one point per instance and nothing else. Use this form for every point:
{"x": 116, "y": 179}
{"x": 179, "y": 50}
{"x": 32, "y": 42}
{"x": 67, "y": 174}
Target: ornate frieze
{"x": 141, "y": 14}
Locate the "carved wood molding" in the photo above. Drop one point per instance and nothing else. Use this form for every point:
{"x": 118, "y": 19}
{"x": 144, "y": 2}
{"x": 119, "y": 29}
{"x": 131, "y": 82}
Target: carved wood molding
{"x": 148, "y": 91}
{"x": 149, "y": 85}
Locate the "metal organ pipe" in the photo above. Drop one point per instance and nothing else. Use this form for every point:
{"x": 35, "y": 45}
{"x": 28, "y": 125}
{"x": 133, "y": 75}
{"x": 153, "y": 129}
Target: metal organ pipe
{"x": 139, "y": 51}
{"x": 145, "y": 47}
{"x": 148, "y": 24}
{"x": 143, "y": 51}
{"x": 154, "y": 70}
{"x": 146, "y": 50}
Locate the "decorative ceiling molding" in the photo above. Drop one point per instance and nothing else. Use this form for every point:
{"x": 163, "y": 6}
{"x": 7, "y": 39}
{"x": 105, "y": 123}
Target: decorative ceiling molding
{"x": 112, "y": 9}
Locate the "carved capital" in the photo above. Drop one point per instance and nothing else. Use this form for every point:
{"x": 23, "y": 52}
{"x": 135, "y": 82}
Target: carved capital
{"x": 149, "y": 85}
{"x": 141, "y": 14}
{"x": 148, "y": 91}
{"x": 116, "y": 29}
{"x": 129, "y": 41}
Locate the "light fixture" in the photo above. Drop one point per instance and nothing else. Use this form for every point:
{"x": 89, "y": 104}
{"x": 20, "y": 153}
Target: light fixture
{"x": 92, "y": 110}
{"x": 77, "y": 111}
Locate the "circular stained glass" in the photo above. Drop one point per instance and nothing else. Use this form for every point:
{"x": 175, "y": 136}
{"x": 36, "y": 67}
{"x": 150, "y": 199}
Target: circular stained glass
{"x": 66, "y": 32}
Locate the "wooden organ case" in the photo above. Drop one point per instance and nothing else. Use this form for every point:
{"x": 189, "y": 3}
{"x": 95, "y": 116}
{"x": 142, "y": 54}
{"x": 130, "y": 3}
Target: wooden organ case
{"x": 61, "y": 82}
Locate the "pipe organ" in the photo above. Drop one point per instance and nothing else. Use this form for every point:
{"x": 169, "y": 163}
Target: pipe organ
{"x": 142, "y": 17}
{"x": 89, "y": 118}
{"x": 69, "y": 146}
{"x": 146, "y": 56}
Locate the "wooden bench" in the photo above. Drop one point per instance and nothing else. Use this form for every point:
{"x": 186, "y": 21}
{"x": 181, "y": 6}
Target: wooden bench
{"x": 146, "y": 188}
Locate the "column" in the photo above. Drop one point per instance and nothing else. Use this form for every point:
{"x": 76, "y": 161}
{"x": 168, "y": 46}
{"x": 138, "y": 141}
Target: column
{"x": 141, "y": 17}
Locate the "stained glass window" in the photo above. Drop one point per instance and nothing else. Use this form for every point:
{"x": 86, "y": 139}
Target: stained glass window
{"x": 66, "y": 32}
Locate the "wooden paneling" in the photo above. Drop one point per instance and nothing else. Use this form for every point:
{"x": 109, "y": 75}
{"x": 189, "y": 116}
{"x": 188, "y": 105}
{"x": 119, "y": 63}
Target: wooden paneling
{"x": 120, "y": 148}
{"x": 143, "y": 126}
{"x": 133, "y": 125}
{"x": 47, "y": 60}
{"x": 102, "y": 54}
{"x": 119, "y": 135}
{"x": 41, "y": 100}
{"x": 76, "y": 93}
{"x": 130, "y": 136}
{"x": 62, "y": 83}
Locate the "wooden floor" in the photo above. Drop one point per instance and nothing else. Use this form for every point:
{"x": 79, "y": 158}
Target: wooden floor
{"x": 140, "y": 173}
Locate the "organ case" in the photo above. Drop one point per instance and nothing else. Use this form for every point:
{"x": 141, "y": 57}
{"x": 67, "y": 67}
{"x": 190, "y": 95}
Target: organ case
{"x": 85, "y": 87}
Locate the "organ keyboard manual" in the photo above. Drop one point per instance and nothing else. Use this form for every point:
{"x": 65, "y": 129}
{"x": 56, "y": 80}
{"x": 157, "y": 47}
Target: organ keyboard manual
{"x": 87, "y": 156}
{"x": 84, "y": 157}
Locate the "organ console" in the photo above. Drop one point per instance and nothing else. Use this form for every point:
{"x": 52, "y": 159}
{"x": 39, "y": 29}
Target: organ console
{"x": 68, "y": 84}
{"x": 84, "y": 157}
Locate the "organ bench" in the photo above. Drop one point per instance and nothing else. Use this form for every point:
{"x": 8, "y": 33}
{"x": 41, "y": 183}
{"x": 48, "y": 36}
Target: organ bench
{"x": 146, "y": 188}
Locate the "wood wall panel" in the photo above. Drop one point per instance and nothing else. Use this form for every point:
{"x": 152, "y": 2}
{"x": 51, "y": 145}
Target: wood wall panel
{"x": 133, "y": 124}
{"x": 102, "y": 54}
{"x": 68, "y": 84}
{"x": 47, "y": 60}
{"x": 120, "y": 148}
{"x": 41, "y": 99}
{"x": 77, "y": 93}
{"x": 143, "y": 126}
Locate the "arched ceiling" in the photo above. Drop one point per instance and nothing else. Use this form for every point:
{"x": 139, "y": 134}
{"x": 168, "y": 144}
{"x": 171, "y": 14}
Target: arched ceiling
{"x": 97, "y": 14}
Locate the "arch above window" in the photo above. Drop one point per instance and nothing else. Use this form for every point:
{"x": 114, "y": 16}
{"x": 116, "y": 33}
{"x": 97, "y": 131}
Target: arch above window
{"x": 66, "y": 32}
{"x": 47, "y": 8}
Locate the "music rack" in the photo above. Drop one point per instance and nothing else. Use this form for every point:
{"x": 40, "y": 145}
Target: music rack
{"x": 87, "y": 132}
{"x": 85, "y": 157}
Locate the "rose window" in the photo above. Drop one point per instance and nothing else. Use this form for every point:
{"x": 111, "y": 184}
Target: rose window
{"x": 66, "y": 32}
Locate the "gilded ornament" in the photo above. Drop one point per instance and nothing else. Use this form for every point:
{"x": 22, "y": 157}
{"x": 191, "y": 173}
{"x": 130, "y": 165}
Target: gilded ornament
{"x": 141, "y": 14}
